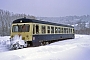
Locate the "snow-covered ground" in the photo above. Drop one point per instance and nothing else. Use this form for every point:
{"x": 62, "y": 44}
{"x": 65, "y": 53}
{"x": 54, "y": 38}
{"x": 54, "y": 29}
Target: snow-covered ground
{"x": 73, "y": 49}
{"x": 4, "y": 42}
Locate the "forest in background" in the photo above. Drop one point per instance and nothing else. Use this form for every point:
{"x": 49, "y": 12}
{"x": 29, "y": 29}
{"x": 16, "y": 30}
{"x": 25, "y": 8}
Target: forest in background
{"x": 6, "y": 19}
{"x": 80, "y": 23}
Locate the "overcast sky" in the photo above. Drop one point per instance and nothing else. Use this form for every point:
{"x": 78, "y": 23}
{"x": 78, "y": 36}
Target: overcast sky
{"x": 47, "y": 8}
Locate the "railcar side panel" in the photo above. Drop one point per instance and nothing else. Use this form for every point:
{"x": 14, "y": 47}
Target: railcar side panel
{"x": 37, "y": 39}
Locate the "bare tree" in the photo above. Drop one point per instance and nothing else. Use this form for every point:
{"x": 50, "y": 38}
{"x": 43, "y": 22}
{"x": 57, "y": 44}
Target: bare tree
{"x": 6, "y": 19}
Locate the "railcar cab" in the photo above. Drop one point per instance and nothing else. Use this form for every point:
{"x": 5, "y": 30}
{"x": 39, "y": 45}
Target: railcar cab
{"x": 23, "y": 27}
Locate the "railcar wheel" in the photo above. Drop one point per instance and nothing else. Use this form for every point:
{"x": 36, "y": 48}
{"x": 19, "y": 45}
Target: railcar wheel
{"x": 21, "y": 46}
{"x": 25, "y": 45}
{"x": 28, "y": 45}
{"x": 42, "y": 44}
{"x": 15, "y": 46}
{"x": 47, "y": 43}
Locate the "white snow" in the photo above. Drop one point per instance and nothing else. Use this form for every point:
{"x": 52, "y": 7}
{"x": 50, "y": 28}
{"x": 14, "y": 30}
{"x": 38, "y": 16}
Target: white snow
{"x": 72, "y": 49}
{"x": 4, "y": 43}
{"x": 18, "y": 39}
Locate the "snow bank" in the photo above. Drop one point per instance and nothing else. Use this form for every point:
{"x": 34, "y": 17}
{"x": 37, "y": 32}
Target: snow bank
{"x": 73, "y": 49}
{"x": 4, "y": 42}
{"x": 18, "y": 39}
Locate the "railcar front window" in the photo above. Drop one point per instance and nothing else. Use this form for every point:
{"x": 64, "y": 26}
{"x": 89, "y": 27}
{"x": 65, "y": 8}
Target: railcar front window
{"x": 15, "y": 29}
{"x": 20, "y": 28}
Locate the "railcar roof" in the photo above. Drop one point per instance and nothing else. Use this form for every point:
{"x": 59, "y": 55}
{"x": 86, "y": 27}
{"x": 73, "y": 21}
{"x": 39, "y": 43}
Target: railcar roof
{"x": 25, "y": 20}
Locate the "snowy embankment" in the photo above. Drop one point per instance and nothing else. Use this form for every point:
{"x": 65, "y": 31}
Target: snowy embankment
{"x": 73, "y": 49}
{"x": 4, "y": 42}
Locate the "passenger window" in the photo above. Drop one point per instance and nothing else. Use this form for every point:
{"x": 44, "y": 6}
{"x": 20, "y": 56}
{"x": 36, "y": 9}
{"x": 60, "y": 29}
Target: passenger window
{"x": 43, "y": 29}
{"x": 62, "y": 30}
{"x": 73, "y": 31}
{"x": 48, "y": 29}
{"x": 69, "y": 30}
{"x": 56, "y": 30}
{"x": 52, "y": 29}
{"x": 37, "y": 29}
{"x": 33, "y": 29}
{"x": 65, "y": 30}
